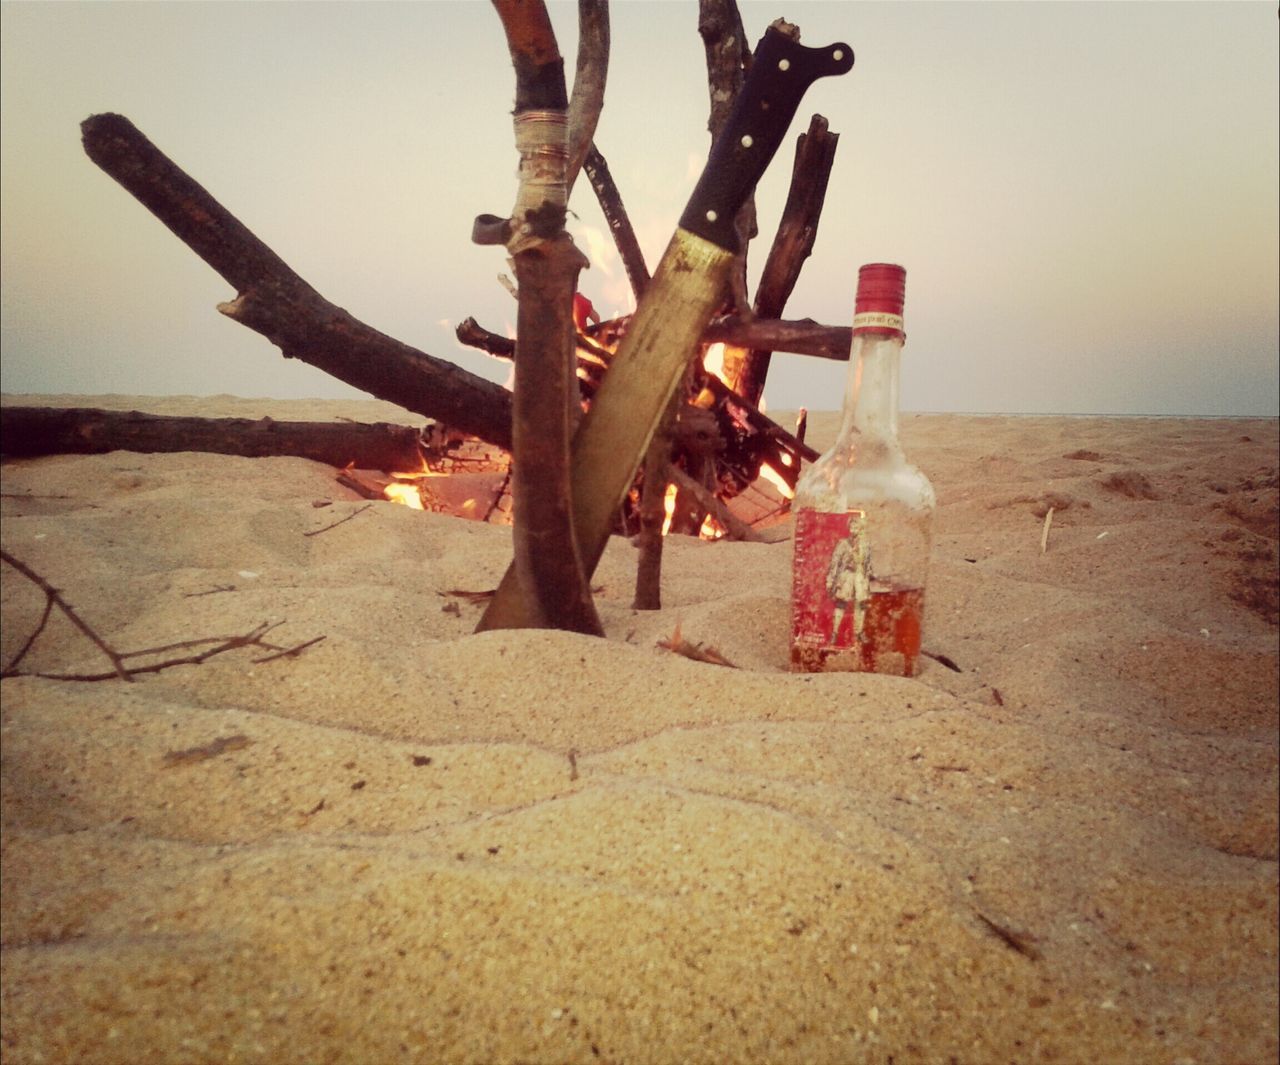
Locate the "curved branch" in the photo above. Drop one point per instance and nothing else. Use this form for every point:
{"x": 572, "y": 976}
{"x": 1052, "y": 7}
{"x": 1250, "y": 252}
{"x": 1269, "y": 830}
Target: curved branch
{"x": 534, "y": 54}
{"x": 589, "y": 79}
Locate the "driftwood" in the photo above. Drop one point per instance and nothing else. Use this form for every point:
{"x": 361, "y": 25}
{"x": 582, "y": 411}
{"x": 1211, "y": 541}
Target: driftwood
{"x": 728, "y": 56}
{"x": 651, "y": 513}
{"x": 26, "y": 432}
{"x": 792, "y": 244}
{"x": 615, "y": 215}
{"x": 735, "y": 528}
{"x": 276, "y": 302}
{"x": 588, "y": 84}
{"x": 547, "y": 563}
{"x": 797, "y": 336}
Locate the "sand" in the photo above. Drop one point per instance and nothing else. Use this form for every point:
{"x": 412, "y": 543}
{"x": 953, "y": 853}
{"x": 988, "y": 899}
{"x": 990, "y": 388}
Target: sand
{"x": 411, "y": 843}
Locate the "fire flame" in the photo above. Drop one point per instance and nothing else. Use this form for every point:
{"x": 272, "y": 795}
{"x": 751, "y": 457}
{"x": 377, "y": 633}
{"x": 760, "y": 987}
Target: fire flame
{"x": 713, "y": 360}
{"x": 404, "y": 489}
{"x": 669, "y": 507}
{"x": 711, "y": 529}
{"x": 776, "y": 479}
{"x": 404, "y": 492}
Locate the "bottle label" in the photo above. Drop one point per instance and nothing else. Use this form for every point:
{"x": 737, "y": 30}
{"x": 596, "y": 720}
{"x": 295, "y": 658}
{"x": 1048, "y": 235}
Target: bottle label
{"x": 881, "y": 321}
{"x": 843, "y": 619}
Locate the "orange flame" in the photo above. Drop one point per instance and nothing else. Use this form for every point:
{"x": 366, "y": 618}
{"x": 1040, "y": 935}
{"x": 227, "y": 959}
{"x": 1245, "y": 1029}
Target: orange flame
{"x": 713, "y": 360}
{"x": 777, "y": 480}
{"x": 669, "y": 506}
{"x": 404, "y": 489}
{"x": 404, "y": 492}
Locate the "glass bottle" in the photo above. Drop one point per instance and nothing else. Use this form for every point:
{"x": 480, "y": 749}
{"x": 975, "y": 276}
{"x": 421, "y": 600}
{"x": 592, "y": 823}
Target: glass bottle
{"x": 864, "y": 514}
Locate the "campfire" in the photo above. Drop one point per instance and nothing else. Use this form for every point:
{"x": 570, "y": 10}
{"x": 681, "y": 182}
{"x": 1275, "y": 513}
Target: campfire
{"x": 733, "y": 468}
{"x": 695, "y": 335}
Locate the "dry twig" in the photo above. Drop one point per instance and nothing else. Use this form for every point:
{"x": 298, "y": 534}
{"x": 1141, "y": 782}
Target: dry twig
{"x": 695, "y": 651}
{"x": 213, "y": 645}
{"x": 54, "y": 598}
{"x": 1023, "y": 942}
{"x": 1044, "y": 533}
{"x": 334, "y": 525}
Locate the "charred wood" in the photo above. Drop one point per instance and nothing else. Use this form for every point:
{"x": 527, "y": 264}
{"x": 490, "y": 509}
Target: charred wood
{"x": 798, "y": 336}
{"x": 615, "y": 215}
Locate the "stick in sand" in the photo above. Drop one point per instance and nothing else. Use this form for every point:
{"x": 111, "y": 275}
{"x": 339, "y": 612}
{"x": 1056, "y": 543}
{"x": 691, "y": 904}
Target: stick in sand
{"x": 1044, "y": 533}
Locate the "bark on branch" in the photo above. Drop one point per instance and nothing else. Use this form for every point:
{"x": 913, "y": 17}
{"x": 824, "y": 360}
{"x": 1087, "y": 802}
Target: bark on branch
{"x": 615, "y": 214}
{"x": 588, "y": 83}
{"x": 276, "y": 302}
{"x": 792, "y": 244}
{"x": 799, "y": 336}
{"x": 547, "y": 561}
{"x": 27, "y": 432}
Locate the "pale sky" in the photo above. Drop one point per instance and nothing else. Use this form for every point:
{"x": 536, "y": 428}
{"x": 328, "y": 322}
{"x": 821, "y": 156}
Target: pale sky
{"x": 1083, "y": 194}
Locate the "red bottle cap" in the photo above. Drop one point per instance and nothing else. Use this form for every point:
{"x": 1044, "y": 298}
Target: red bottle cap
{"x": 878, "y": 307}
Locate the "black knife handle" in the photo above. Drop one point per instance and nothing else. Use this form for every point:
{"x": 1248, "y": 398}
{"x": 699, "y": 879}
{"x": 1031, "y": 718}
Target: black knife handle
{"x": 781, "y": 71}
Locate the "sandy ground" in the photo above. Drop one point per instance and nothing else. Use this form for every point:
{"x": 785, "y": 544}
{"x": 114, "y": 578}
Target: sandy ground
{"x": 411, "y": 843}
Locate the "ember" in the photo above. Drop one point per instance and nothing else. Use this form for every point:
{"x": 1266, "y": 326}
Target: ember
{"x": 458, "y": 475}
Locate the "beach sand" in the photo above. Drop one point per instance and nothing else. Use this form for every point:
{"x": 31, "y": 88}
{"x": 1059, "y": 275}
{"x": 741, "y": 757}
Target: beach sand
{"x": 407, "y": 842}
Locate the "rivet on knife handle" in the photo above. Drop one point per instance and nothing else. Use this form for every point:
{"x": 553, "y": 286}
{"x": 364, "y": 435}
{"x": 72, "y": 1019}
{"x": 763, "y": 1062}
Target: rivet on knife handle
{"x": 781, "y": 70}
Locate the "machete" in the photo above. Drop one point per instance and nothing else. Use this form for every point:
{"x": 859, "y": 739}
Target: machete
{"x": 677, "y": 305}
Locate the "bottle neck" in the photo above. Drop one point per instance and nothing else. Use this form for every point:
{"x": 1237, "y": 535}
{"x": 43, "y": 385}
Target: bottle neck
{"x": 871, "y": 396}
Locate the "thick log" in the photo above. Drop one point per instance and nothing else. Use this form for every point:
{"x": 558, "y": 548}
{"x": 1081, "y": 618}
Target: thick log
{"x": 27, "y": 432}
{"x": 276, "y": 302}
{"x": 547, "y": 562}
{"x": 792, "y": 244}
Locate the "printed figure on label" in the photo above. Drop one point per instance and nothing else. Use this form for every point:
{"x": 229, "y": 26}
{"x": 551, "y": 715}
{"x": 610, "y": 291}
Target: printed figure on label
{"x": 849, "y": 582}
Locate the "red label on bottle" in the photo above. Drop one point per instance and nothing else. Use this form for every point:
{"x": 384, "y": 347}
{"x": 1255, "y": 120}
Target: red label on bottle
{"x": 844, "y": 619}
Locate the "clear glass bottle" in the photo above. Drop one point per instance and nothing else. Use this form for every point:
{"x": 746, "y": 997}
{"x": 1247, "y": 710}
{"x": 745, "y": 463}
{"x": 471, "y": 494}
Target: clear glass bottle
{"x": 864, "y": 514}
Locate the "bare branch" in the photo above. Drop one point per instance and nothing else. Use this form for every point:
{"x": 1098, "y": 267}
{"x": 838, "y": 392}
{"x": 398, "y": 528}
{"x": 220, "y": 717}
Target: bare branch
{"x": 220, "y": 644}
{"x": 792, "y": 244}
{"x": 54, "y": 597}
{"x": 615, "y": 214}
{"x": 277, "y": 303}
{"x": 30, "y": 431}
{"x": 588, "y": 84}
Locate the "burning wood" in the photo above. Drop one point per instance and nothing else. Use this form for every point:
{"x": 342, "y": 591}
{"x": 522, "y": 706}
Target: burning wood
{"x": 457, "y": 474}
{"x": 720, "y": 440}
{"x": 729, "y": 451}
